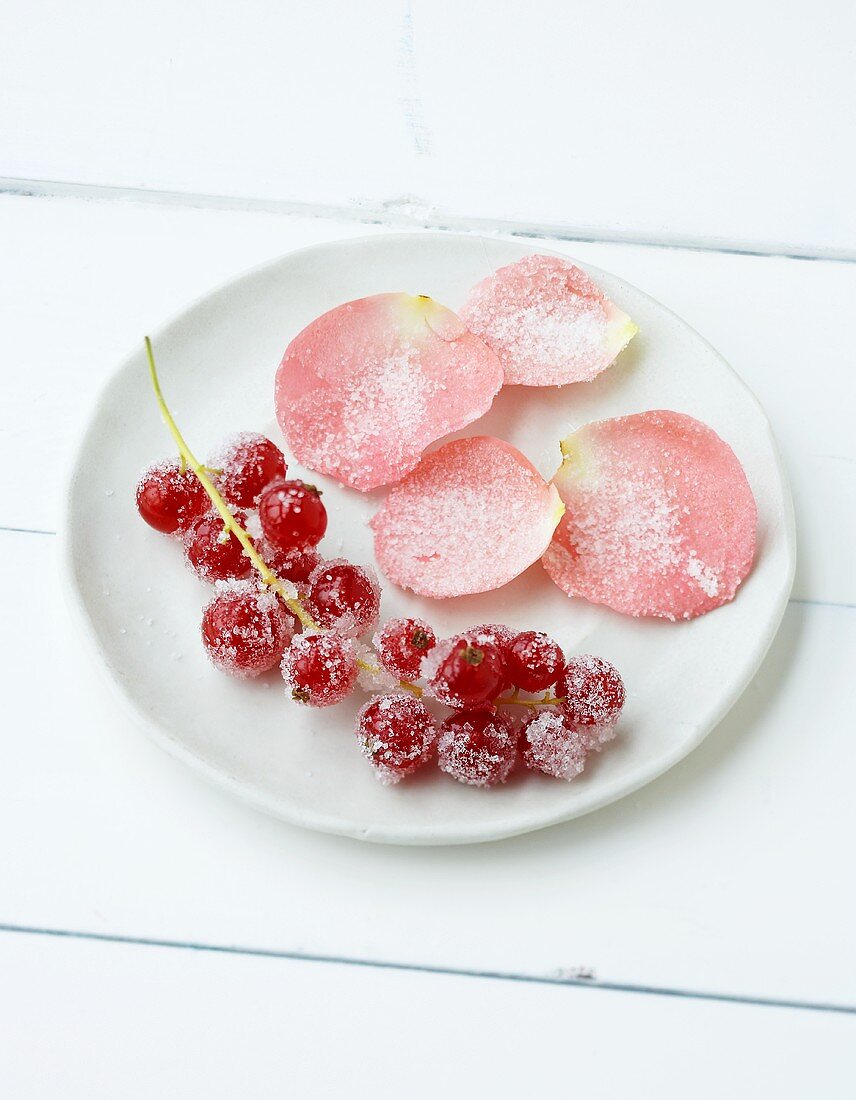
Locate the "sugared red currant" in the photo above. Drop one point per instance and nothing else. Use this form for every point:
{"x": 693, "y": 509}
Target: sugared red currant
{"x": 168, "y": 499}
{"x": 402, "y": 644}
{"x": 250, "y": 462}
{"x": 592, "y": 691}
{"x": 463, "y": 674}
{"x": 495, "y": 634}
{"x": 343, "y": 597}
{"x": 293, "y": 565}
{"x": 478, "y": 747}
{"x": 213, "y": 554}
{"x": 500, "y": 637}
{"x": 534, "y": 661}
{"x": 245, "y": 628}
{"x": 550, "y": 743}
{"x": 396, "y": 734}
{"x": 319, "y": 669}
{"x": 292, "y": 514}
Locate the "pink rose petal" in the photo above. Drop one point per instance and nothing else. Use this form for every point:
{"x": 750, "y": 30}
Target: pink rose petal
{"x": 471, "y": 517}
{"x": 660, "y": 519}
{"x": 547, "y": 321}
{"x": 364, "y": 389}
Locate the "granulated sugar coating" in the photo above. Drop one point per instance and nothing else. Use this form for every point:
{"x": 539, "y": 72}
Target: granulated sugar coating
{"x": 550, "y": 744}
{"x": 247, "y": 461}
{"x": 471, "y": 517}
{"x": 364, "y": 389}
{"x": 396, "y": 735}
{"x": 245, "y": 628}
{"x": 547, "y": 321}
{"x": 592, "y": 690}
{"x": 660, "y": 519}
{"x": 477, "y": 747}
{"x": 319, "y": 669}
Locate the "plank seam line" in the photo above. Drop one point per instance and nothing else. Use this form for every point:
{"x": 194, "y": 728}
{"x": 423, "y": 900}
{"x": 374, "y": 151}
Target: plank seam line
{"x": 420, "y": 968}
{"x": 418, "y": 214}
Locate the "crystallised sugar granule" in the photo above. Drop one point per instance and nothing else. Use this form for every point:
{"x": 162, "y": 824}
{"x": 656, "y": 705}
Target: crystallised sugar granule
{"x": 547, "y": 321}
{"x": 365, "y": 388}
{"x": 473, "y": 515}
{"x": 660, "y": 519}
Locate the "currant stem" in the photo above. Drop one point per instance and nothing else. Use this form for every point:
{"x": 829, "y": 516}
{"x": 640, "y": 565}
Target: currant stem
{"x": 230, "y": 524}
{"x": 532, "y": 704}
{"x": 229, "y": 521}
{"x": 375, "y": 670}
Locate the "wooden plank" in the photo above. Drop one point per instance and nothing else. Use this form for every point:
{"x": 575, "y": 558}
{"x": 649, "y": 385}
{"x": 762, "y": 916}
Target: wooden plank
{"x": 652, "y": 120}
{"x": 82, "y": 1019}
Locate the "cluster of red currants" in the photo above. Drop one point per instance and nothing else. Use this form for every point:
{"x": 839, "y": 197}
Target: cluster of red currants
{"x": 492, "y": 679}
{"x": 308, "y": 615}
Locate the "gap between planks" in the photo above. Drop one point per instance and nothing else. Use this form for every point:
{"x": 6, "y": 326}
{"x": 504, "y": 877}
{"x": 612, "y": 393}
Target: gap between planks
{"x": 409, "y": 211}
{"x": 418, "y": 968}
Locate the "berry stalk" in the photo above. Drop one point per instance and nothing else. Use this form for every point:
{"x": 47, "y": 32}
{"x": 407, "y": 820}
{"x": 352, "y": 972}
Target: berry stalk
{"x": 229, "y": 522}
{"x": 533, "y": 704}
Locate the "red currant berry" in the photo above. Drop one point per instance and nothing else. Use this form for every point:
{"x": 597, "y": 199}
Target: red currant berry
{"x": 534, "y": 661}
{"x": 396, "y": 734}
{"x": 499, "y": 636}
{"x": 592, "y": 691}
{"x": 343, "y": 597}
{"x": 319, "y": 669}
{"x": 169, "y": 499}
{"x": 401, "y": 646}
{"x": 461, "y": 674}
{"x": 249, "y": 462}
{"x": 293, "y": 565}
{"x": 478, "y": 747}
{"x": 245, "y": 628}
{"x": 213, "y": 554}
{"x": 292, "y": 514}
{"x": 552, "y": 744}
{"x": 495, "y": 634}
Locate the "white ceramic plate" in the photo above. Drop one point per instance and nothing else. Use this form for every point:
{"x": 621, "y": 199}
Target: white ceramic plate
{"x": 141, "y": 607}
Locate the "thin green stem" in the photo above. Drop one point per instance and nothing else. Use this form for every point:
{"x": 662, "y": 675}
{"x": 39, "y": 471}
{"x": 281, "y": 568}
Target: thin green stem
{"x": 229, "y": 522}
{"x": 293, "y": 603}
{"x": 532, "y": 704}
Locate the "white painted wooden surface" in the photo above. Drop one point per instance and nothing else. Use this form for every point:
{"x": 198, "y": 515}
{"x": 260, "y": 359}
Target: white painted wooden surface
{"x": 663, "y": 120}
{"x": 125, "y": 1021}
{"x": 727, "y": 877}
{"x": 112, "y": 837}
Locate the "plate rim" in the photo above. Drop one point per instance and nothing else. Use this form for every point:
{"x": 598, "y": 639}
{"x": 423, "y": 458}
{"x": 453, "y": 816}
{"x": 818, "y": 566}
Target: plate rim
{"x": 435, "y": 834}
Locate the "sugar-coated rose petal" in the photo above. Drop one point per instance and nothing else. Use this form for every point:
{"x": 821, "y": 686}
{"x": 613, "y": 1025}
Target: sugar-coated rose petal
{"x": 364, "y": 389}
{"x": 471, "y": 517}
{"x": 547, "y": 321}
{"x": 660, "y": 519}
